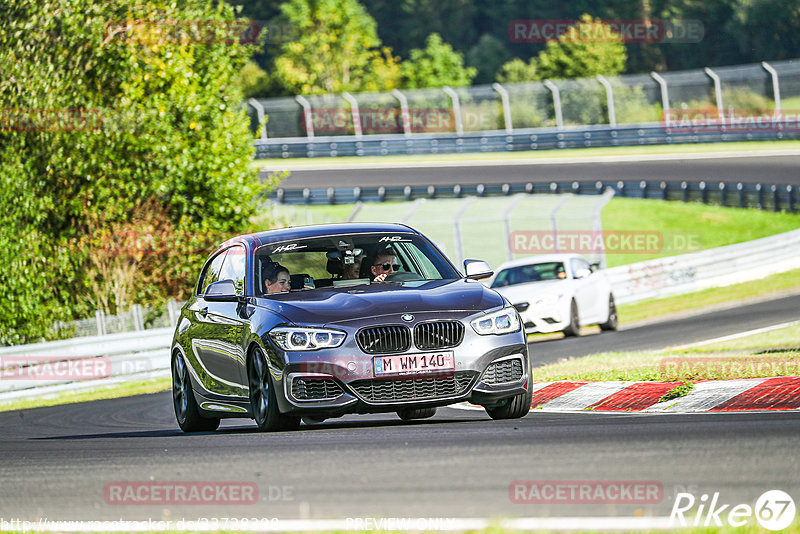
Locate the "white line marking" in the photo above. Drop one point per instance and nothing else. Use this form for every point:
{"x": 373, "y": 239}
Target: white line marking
{"x": 396, "y": 524}
{"x": 736, "y": 336}
{"x": 466, "y": 162}
{"x": 705, "y": 396}
{"x": 586, "y": 395}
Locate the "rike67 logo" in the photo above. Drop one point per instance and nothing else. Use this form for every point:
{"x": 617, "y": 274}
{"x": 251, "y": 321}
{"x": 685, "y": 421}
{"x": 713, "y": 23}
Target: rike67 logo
{"x": 773, "y": 510}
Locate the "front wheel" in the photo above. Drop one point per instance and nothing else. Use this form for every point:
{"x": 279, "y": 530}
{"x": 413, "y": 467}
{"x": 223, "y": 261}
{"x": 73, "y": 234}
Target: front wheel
{"x": 613, "y": 320}
{"x": 186, "y": 410}
{"x": 574, "y": 327}
{"x": 514, "y": 408}
{"x": 263, "y": 402}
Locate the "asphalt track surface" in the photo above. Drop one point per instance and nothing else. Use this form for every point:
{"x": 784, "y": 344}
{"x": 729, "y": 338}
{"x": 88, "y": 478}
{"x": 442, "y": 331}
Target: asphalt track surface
{"x": 57, "y": 462}
{"x": 747, "y": 168}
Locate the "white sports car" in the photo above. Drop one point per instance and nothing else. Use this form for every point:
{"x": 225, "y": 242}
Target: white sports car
{"x": 557, "y": 292}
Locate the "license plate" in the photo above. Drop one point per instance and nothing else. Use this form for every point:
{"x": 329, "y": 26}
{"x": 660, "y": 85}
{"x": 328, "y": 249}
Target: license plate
{"x": 414, "y": 363}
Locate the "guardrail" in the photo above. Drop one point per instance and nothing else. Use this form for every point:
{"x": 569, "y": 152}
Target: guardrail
{"x": 138, "y": 355}
{"x": 762, "y": 196}
{"x": 519, "y": 139}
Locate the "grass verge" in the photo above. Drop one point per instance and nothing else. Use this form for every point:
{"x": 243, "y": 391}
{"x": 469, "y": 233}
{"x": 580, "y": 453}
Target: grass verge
{"x": 106, "y": 392}
{"x": 699, "y": 148}
{"x": 774, "y": 353}
{"x": 650, "y": 309}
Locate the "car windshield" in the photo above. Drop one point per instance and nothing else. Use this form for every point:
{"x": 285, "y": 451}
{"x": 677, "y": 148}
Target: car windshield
{"x": 535, "y": 272}
{"x": 347, "y": 260}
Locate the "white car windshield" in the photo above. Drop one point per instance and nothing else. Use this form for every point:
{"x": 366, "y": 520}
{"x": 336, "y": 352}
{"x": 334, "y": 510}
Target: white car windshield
{"x": 536, "y": 272}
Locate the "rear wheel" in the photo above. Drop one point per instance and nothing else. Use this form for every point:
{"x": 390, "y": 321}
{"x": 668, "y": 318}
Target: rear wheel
{"x": 262, "y": 397}
{"x": 186, "y": 410}
{"x": 514, "y": 408}
{"x": 574, "y": 327}
{"x": 613, "y": 320}
{"x": 416, "y": 413}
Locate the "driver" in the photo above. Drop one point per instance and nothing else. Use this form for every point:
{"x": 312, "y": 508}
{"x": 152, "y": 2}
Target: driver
{"x": 276, "y": 278}
{"x": 385, "y": 264}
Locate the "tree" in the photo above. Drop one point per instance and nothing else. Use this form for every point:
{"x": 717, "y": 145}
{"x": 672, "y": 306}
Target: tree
{"x": 336, "y": 49}
{"x": 585, "y": 49}
{"x": 436, "y": 65}
{"x": 516, "y": 71}
{"x": 486, "y": 56}
{"x": 122, "y": 135}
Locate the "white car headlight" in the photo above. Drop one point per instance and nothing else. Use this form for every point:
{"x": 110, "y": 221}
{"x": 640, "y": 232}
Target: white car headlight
{"x": 296, "y": 338}
{"x": 504, "y": 321}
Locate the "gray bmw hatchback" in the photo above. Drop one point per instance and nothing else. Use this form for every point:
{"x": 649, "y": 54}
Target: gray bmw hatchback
{"x": 316, "y": 322}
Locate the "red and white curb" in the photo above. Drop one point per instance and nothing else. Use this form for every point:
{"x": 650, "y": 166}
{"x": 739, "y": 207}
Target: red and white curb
{"x": 779, "y": 393}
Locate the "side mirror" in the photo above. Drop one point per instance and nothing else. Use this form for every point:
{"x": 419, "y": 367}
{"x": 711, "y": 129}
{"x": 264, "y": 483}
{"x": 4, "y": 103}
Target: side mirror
{"x": 477, "y": 269}
{"x": 582, "y": 273}
{"x": 595, "y": 266}
{"x": 222, "y": 291}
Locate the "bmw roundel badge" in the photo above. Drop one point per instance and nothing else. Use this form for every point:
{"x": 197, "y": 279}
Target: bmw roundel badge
{"x": 407, "y": 317}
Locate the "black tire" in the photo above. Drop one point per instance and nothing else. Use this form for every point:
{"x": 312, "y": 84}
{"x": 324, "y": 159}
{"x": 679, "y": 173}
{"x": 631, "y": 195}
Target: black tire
{"x": 263, "y": 402}
{"x": 187, "y": 412}
{"x": 416, "y": 413}
{"x": 574, "y": 327}
{"x": 514, "y": 408}
{"x": 613, "y": 318}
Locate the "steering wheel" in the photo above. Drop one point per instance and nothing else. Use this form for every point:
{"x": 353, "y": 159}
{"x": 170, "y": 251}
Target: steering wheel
{"x": 402, "y": 277}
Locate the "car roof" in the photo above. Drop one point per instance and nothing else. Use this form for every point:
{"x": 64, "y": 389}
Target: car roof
{"x": 319, "y": 230}
{"x": 541, "y": 258}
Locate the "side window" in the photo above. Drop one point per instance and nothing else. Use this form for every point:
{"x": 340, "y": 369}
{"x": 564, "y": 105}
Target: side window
{"x": 211, "y": 272}
{"x": 234, "y": 267}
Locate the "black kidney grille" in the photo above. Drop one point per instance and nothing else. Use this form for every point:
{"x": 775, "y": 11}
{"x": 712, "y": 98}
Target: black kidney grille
{"x": 413, "y": 388}
{"x": 384, "y": 339}
{"x": 438, "y": 335}
{"x": 502, "y": 372}
{"x": 315, "y": 389}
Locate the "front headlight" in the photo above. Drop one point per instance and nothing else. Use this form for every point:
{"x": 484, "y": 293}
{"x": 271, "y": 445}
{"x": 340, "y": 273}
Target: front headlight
{"x": 504, "y": 321}
{"x": 296, "y": 338}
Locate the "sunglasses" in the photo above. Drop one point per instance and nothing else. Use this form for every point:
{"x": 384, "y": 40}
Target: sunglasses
{"x": 388, "y": 266}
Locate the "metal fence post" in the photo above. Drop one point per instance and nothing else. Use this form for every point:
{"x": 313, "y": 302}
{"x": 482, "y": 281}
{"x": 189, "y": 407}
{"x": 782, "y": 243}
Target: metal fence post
{"x": 506, "y": 105}
{"x": 507, "y": 224}
{"x": 717, "y": 92}
{"x": 260, "y": 114}
{"x": 101, "y": 322}
{"x": 404, "y": 113}
{"x": 776, "y": 89}
{"x": 457, "y": 229}
{"x": 556, "y": 103}
{"x": 138, "y": 318}
{"x": 172, "y": 311}
{"x": 664, "y": 95}
{"x": 554, "y": 222}
{"x": 597, "y": 220}
{"x": 306, "y": 115}
{"x": 354, "y": 113}
{"x": 612, "y": 115}
{"x": 456, "y": 103}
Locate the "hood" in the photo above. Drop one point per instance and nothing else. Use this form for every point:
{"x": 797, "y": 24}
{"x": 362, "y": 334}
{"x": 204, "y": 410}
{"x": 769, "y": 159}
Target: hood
{"x": 336, "y": 305}
{"x": 525, "y": 292}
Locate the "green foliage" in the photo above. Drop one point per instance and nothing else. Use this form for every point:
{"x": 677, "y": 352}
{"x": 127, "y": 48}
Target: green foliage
{"x": 337, "y": 50}
{"x": 587, "y": 49}
{"x": 436, "y": 65}
{"x": 516, "y": 71}
{"x": 487, "y": 56}
{"x": 677, "y": 392}
{"x": 115, "y": 111}
{"x": 253, "y": 81}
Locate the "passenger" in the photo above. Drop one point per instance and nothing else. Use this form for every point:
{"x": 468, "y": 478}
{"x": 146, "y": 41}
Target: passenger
{"x": 352, "y": 271}
{"x": 276, "y": 278}
{"x": 385, "y": 264}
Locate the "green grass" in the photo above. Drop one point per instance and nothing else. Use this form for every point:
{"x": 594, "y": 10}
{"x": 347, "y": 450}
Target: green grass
{"x": 107, "y": 392}
{"x": 772, "y": 354}
{"x": 699, "y": 148}
{"x": 649, "y": 309}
